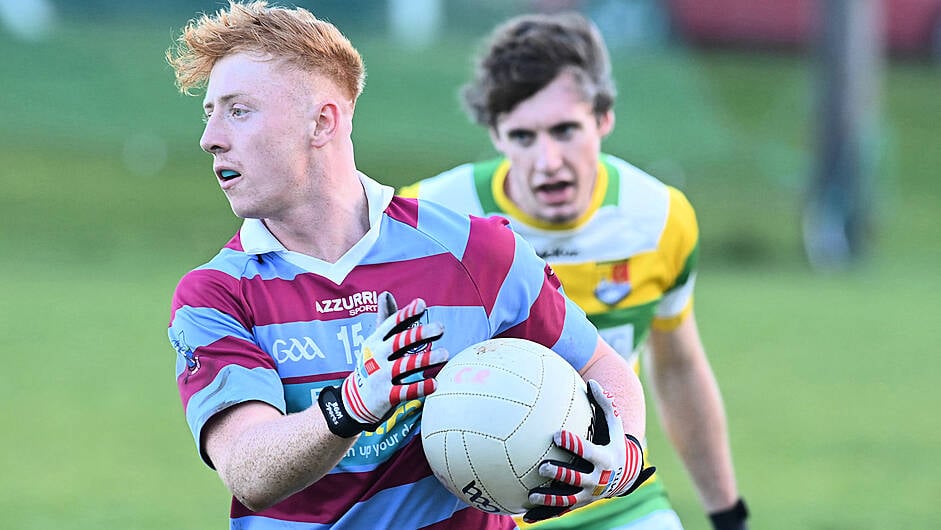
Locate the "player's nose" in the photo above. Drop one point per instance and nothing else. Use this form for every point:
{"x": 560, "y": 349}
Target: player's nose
{"x": 214, "y": 139}
{"x": 548, "y": 155}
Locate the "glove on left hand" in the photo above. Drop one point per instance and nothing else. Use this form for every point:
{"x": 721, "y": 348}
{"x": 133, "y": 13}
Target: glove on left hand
{"x": 612, "y": 465}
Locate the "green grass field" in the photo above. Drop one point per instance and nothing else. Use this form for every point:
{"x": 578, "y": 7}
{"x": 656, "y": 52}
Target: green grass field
{"x": 830, "y": 381}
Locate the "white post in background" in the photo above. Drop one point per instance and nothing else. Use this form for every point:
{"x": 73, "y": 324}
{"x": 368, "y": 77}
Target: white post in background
{"x": 30, "y": 20}
{"x": 415, "y": 23}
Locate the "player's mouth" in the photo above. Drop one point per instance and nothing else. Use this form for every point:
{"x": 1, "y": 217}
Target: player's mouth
{"x": 228, "y": 174}
{"x": 555, "y": 192}
{"x": 227, "y": 177}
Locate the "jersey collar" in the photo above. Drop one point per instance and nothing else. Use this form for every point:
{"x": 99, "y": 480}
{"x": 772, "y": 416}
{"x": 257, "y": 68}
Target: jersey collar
{"x": 257, "y": 239}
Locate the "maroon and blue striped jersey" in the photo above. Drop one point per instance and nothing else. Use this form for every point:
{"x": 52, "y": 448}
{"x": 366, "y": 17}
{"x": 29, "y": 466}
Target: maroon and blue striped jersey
{"x": 261, "y": 323}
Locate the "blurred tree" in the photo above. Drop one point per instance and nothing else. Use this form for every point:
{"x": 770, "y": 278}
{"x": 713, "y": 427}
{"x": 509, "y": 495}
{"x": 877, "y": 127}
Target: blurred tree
{"x": 838, "y": 216}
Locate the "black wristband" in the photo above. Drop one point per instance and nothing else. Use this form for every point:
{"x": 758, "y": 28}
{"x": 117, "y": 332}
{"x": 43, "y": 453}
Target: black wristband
{"x": 338, "y": 420}
{"x": 731, "y": 518}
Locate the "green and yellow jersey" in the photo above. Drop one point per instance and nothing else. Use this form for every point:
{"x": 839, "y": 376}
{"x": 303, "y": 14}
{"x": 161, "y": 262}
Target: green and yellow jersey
{"x": 629, "y": 261}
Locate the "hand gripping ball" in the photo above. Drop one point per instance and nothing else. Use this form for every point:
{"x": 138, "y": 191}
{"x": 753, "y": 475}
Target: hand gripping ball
{"x": 490, "y": 423}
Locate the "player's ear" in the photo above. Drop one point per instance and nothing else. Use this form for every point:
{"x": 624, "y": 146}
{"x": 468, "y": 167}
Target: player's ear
{"x": 325, "y": 123}
{"x": 605, "y": 122}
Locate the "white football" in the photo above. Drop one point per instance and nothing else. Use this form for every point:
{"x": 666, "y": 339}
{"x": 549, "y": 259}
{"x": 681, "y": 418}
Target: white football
{"x": 490, "y": 423}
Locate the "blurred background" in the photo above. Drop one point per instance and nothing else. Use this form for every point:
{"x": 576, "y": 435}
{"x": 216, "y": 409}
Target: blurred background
{"x": 805, "y": 133}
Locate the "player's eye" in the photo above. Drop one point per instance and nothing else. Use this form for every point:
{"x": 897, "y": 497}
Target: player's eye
{"x": 563, "y": 131}
{"x": 523, "y": 138}
{"x": 238, "y": 112}
{"x": 205, "y": 117}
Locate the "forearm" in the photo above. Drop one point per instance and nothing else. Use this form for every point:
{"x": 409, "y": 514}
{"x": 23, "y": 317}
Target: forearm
{"x": 618, "y": 379}
{"x": 696, "y": 424}
{"x": 693, "y": 416}
{"x": 276, "y": 456}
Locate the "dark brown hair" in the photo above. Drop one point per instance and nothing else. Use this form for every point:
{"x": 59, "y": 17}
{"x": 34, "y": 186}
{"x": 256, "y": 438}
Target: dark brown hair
{"x": 526, "y": 53}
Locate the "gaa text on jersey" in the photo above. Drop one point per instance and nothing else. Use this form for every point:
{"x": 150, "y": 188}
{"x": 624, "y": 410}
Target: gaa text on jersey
{"x": 297, "y": 349}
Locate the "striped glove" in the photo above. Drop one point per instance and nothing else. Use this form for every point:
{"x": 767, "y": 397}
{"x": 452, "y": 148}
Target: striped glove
{"x": 399, "y": 347}
{"x": 611, "y": 465}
